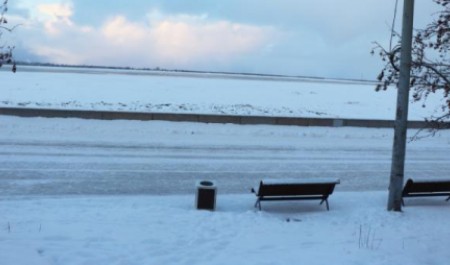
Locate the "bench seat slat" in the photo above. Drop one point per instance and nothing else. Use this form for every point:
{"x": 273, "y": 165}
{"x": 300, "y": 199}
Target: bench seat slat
{"x": 295, "y": 189}
{"x": 429, "y": 187}
{"x": 292, "y": 198}
{"x": 432, "y": 194}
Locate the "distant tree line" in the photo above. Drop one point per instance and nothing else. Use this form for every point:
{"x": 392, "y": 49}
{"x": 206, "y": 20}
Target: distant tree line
{"x": 46, "y": 64}
{"x": 43, "y": 64}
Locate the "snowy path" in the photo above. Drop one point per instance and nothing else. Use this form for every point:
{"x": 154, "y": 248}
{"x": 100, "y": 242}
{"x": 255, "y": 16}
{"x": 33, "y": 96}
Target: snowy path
{"x": 72, "y": 156}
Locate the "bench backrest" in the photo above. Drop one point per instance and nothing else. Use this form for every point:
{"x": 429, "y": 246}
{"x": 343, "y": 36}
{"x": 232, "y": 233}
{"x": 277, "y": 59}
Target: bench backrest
{"x": 426, "y": 186}
{"x": 295, "y": 189}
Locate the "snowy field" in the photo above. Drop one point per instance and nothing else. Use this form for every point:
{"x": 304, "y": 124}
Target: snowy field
{"x": 202, "y": 94}
{"x": 78, "y": 191}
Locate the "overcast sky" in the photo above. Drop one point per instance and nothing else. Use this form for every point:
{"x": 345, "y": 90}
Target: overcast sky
{"x": 331, "y": 38}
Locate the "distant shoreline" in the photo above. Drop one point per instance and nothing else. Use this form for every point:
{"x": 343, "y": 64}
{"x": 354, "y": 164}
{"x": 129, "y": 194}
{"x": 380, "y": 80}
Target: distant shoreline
{"x": 86, "y": 69}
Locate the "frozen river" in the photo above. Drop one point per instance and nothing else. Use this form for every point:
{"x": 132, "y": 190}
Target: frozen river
{"x": 72, "y": 156}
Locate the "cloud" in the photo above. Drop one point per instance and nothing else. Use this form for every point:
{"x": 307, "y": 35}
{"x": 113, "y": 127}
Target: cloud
{"x": 119, "y": 31}
{"x": 54, "y": 15}
{"x": 194, "y": 38}
{"x": 164, "y": 40}
{"x": 46, "y": 10}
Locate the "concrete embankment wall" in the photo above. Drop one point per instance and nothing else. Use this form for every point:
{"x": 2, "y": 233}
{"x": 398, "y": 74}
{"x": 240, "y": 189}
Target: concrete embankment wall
{"x": 204, "y": 118}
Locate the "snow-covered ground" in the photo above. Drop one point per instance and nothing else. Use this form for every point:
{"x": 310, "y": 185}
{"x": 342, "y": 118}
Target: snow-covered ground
{"x": 210, "y": 94}
{"x": 168, "y": 230}
{"x": 78, "y": 191}
{"x": 54, "y": 171}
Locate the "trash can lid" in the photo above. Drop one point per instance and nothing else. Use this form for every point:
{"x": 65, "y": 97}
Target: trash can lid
{"x": 206, "y": 184}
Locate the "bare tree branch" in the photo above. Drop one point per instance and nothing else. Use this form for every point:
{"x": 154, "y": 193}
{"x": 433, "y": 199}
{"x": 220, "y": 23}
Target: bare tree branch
{"x": 430, "y": 61}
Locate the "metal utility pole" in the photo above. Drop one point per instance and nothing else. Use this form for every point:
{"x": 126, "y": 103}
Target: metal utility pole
{"x": 401, "y": 119}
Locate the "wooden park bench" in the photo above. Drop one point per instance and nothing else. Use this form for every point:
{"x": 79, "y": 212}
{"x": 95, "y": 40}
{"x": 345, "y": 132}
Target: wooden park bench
{"x": 425, "y": 188}
{"x": 280, "y": 190}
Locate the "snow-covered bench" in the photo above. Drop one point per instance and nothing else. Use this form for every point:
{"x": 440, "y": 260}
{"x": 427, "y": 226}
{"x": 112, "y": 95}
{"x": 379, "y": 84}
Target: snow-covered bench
{"x": 425, "y": 188}
{"x": 279, "y": 190}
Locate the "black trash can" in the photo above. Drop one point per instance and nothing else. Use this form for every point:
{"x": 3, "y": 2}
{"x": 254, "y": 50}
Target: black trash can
{"x": 206, "y": 195}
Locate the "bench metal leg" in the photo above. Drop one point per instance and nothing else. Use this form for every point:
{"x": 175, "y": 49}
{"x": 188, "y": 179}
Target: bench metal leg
{"x": 258, "y": 203}
{"x": 448, "y": 199}
{"x": 326, "y": 203}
